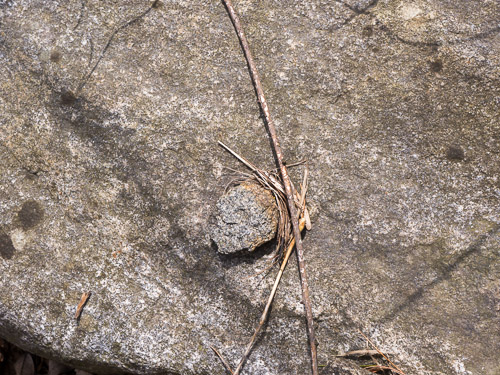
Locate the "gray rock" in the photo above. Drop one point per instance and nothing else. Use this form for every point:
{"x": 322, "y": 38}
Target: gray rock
{"x": 110, "y": 113}
{"x": 246, "y": 217}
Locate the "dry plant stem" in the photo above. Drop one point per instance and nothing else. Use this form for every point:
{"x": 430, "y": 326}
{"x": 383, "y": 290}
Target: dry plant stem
{"x": 264, "y": 176}
{"x": 286, "y": 182}
{"x": 222, "y": 359}
{"x": 380, "y": 352}
{"x": 382, "y": 368}
{"x": 81, "y": 304}
{"x": 265, "y": 313}
{"x": 359, "y": 353}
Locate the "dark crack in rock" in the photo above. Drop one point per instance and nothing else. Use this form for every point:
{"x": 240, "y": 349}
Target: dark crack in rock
{"x": 246, "y": 218}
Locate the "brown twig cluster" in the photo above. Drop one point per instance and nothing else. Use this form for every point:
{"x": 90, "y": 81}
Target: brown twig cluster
{"x": 273, "y": 183}
{"x": 289, "y": 191}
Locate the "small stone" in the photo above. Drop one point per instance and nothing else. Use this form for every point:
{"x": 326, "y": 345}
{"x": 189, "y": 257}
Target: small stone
{"x": 246, "y": 218}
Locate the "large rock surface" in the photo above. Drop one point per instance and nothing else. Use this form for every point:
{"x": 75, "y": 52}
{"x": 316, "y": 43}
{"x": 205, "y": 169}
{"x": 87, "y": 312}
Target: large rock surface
{"x": 110, "y": 113}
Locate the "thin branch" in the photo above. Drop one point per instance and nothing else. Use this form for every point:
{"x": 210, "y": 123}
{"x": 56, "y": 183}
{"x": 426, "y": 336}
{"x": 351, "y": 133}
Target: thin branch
{"x": 286, "y": 181}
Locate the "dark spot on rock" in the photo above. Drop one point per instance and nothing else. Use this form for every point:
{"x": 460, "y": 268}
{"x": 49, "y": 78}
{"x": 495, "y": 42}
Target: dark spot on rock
{"x": 68, "y": 98}
{"x": 436, "y": 66}
{"x": 55, "y": 56}
{"x": 367, "y": 31}
{"x": 157, "y": 4}
{"x": 116, "y": 347}
{"x": 7, "y": 248}
{"x": 31, "y": 214}
{"x": 455, "y": 152}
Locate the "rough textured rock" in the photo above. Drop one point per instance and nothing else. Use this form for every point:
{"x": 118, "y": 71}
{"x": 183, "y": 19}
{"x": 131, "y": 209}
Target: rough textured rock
{"x": 110, "y": 113}
{"x": 246, "y": 217}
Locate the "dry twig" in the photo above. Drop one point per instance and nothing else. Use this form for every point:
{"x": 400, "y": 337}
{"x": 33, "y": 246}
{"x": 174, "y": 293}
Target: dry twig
{"x": 286, "y": 181}
{"x": 81, "y": 304}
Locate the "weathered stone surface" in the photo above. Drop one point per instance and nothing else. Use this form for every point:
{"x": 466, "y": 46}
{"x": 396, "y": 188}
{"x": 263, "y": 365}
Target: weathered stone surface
{"x": 246, "y": 217}
{"x": 110, "y": 113}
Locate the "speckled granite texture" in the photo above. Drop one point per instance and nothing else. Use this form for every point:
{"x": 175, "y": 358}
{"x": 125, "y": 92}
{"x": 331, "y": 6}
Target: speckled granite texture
{"x": 110, "y": 113}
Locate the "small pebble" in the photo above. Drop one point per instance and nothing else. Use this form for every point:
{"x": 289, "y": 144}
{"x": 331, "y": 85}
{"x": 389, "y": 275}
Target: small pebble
{"x": 246, "y": 218}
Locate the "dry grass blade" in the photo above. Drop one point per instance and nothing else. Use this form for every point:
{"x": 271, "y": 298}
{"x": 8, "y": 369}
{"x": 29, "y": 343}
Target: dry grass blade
{"x": 359, "y": 353}
{"x": 396, "y": 368}
{"x": 240, "y": 158}
{"x": 302, "y": 201}
{"x": 248, "y": 175}
{"x": 378, "y": 368}
{"x": 226, "y": 365}
{"x": 269, "y": 180}
{"x": 275, "y": 186}
{"x": 270, "y": 299}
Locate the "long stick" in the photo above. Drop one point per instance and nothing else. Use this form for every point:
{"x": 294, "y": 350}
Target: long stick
{"x": 286, "y": 181}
